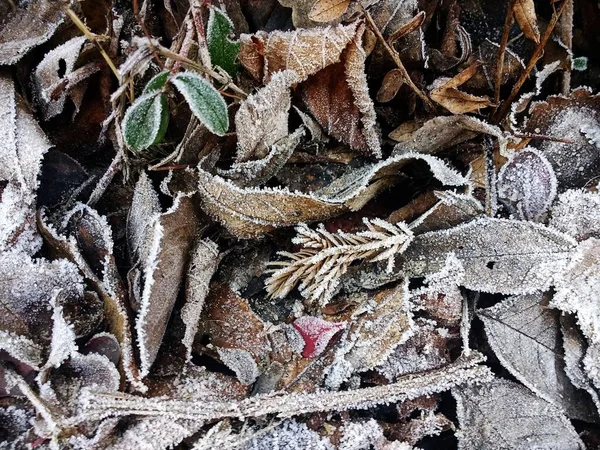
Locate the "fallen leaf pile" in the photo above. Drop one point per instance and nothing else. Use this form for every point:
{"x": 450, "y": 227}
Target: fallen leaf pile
{"x": 313, "y": 224}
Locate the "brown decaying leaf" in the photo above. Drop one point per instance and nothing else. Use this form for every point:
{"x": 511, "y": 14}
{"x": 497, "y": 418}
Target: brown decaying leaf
{"x": 172, "y": 236}
{"x": 390, "y": 85}
{"x": 455, "y": 100}
{"x": 328, "y": 10}
{"x": 524, "y": 12}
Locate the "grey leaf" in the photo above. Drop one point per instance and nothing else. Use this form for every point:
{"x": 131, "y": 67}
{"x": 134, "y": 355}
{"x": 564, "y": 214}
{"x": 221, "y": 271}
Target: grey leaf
{"x": 525, "y": 336}
{"x": 577, "y": 213}
{"x": 498, "y": 255}
{"x": 503, "y": 415}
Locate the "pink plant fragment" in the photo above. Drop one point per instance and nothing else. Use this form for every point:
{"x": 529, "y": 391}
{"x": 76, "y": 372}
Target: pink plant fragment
{"x": 316, "y": 333}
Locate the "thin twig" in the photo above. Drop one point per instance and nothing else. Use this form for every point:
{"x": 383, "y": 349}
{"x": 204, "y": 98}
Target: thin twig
{"x": 543, "y": 137}
{"x": 136, "y": 13}
{"x": 502, "y": 50}
{"x": 394, "y": 54}
{"x": 537, "y": 54}
{"x": 566, "y": 36}
{"x": 103, "y": 183}
{"x": 92, "y": 37}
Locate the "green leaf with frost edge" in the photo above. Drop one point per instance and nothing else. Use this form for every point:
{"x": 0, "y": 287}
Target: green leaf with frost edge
{"x": 204, "y": 100}
{"x": 157, "y": 82}
{"x": 146, "y": 121}
{"x": 223, "y": 51}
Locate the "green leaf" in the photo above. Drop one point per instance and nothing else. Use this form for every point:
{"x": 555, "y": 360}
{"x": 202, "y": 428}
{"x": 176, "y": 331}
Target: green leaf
{"x": 157, "y": 82}
{"x": 223, "y": 51}
{"x": 146, "y": 121}
{"x": 205, "y": 101}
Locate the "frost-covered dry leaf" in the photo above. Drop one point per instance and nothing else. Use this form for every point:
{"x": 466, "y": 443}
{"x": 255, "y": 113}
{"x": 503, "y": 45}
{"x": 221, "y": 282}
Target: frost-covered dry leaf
{"x": 576, "y": 119}
{"x": 262, "y": 119}
{"x": 524, "y": 12}
{"x": 463, "y": 371}
{"x": 289, "y": 435}
{"x": 48, "y": 75}
{"x": 505, "y": 415}
{"x": 21, "y": 153}
{"x": 172, "y": 234}
{"x": 577, "y": 293}
{"x": 328, "y": 10}
{"x": 378, "y": 327}
{"x": 316, "y": 333}
{"x": 338, "y": 97}
{"x": 251, "y": 212}
{"x": 577, "y": 213}
{"x": 265, "y": 54}
{"x": 525, "y": 336}
{"x": 203, "y": 263}
{"x": 528, "y": 184}
{"x": 446, "y": 93}
{"x": 28, "y": 26}
{"x": 498, "y": 255}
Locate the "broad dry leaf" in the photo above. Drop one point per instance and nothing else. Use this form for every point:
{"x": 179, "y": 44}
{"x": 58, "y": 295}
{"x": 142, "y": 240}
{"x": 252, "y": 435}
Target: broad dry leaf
{"x": 23, "y": 147}
{"x": 390, "y": 85}
{"x": 577, "y": 213}
{"x": 527, "y": 184}
{"x": 236, "y": 331}
{"x": 290, "y": 434}
{"x": 506, "y": 415}
{"x": 46, "y": 78}
{"x": 524, "y": 333}
{"x": 327, "y": 10}
{"x": 451, "y": 210}
{"x": 377, "y": 328}
{"x": 443, "y": 132}
{"x": 265, "y": 54}
{"x": 338, "y": 97}
{"x": 577, "y": 293}
{"x": 427, "y": 348}
{"x": 262, "y": 118}
{"x": 251, "y": 212}
{"x": 203, "y": 263}
{"x": 524, "y": 12}
{"x": 498, "y": 255}
{"x": 575, "y": 347}
{"x": 445, "y": 93}
{"x": 173, "y": 234}
{"x": 27, "y": 27}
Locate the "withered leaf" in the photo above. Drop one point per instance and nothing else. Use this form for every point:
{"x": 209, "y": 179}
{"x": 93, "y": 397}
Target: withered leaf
{"x": 172, "y": 234}
{"x": 46, "y": 77}
{"x": 27, "y": 27}
{"x": 390, "y": 85}
{"x": 338, "y": 97}
{"x": 327, "y": 10}
{"x": 251, "y": 212}
{"x": 524, "y": 12}
{"x": 577, "y": 213}
{"x": 577, "y": 293}
{"x": 528, "y": 184}
{"x": 203, "y": 263}
{"x": 506, "y": 412}
{"x": 454, "y": 100}
{"x": 21, "y": 153}
{"x": 378, "y": 327}
{"x": 265, "y": 54}
{"x": 498, "y": 255}
{"x": 262, "y": 119}
{"x": 525, "y": 336}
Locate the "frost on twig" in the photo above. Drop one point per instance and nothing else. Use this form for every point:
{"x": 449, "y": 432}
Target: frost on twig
{"x": 326, "y": 256}
{"x": 463, "y": 371}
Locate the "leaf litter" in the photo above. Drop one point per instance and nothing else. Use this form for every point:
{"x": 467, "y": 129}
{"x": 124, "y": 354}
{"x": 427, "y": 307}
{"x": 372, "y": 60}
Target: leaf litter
{"x": 187, "y": 263}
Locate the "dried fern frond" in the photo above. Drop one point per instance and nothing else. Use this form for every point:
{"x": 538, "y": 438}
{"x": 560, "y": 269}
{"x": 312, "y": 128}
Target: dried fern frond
{"x": 326, "y": 256}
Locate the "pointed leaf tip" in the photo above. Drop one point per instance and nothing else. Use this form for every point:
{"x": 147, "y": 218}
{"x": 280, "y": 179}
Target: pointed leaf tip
{"x": 204, "y": 100}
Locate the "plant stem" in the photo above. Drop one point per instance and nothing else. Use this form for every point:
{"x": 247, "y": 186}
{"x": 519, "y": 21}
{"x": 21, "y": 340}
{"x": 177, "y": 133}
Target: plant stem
{"x": 537, "y": 54}
{"x": 394, "y": 54}
{"x": 502, "y": 50}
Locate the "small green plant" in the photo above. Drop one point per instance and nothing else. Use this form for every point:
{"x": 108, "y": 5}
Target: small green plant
{"x": 223, "y": 51}
{"x": 146, "y": 120}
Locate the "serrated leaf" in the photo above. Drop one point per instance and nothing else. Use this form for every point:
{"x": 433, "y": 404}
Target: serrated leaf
{"x": 506, "y": 415}
{"x": 223, "y": 51}
{"x": 145, "y": 122}
{"x": 498, "y": 255}
{"x": 157, "y": 82}
{"x": 525, "y": 336}
{"x": 204, "y": 100}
